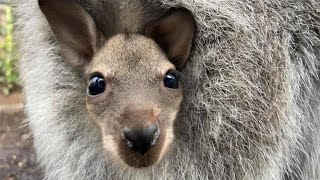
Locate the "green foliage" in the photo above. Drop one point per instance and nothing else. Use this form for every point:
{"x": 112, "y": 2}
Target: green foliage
{"x": 8, "y": 71}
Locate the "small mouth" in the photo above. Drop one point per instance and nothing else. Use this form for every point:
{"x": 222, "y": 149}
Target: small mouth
{"x": 137, "y": 160}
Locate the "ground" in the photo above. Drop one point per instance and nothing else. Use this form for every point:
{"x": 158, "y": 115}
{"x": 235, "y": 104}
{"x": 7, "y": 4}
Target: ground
{"x": 17, "y": 158}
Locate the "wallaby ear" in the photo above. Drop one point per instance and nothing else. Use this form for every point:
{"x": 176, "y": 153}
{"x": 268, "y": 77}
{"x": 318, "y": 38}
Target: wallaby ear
{"x": 73, "y": 28}
{"x": 174, "y": 34}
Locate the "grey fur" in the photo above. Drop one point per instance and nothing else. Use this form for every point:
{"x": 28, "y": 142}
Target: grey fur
{"x": 251, "y": 103}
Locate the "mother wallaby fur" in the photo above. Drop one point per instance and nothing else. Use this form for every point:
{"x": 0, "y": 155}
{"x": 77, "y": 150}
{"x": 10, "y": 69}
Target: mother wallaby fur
{"x": 251, "y": 92}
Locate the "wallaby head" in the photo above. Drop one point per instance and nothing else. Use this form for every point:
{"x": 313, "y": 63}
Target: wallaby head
{"x": 133, "y": 93}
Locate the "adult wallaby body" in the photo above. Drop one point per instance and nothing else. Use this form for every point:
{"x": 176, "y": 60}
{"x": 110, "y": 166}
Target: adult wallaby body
{"x": 104, "y": 99}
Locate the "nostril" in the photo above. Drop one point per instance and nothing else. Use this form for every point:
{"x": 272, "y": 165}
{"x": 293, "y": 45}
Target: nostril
{"x": 141, "y": 139}
{"x": 129, "y": 143}
{"x": 154, "y": 132}
{"x": 151, "y": 131}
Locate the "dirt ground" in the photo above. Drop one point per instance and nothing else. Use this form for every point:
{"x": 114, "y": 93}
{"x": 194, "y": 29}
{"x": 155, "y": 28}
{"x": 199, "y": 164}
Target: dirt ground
{"x": 17, "y": 158}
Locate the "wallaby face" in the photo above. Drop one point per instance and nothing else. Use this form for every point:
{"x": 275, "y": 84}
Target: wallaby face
{"x": 133, "y": 96}
{"x": 133, "y": 93}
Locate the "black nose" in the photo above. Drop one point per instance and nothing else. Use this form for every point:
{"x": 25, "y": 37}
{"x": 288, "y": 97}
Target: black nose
{"x": 141, "y": 139}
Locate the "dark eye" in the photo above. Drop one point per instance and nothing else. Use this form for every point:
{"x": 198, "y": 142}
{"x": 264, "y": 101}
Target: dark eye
{"x": 171, "y": 80}
{"x": 96, "y": 85}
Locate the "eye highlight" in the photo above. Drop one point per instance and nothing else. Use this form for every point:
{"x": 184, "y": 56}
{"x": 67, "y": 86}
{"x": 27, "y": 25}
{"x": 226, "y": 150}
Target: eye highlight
{"x": 171, "y": 80}
{"x": 97, "y": 85}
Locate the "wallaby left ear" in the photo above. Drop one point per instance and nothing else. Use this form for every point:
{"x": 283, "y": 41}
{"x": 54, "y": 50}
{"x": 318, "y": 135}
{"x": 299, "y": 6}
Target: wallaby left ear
{"x": 174, "y": 34}
{"x": 74, "y": 29}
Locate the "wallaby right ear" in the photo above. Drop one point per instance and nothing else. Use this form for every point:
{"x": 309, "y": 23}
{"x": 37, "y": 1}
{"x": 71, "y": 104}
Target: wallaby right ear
{"x": 73, "y": 28}
{"x": 174, "y": 34}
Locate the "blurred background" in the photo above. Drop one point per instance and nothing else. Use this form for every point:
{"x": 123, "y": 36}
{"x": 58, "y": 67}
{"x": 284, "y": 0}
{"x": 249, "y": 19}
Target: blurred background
{"x": 17, "y": 159}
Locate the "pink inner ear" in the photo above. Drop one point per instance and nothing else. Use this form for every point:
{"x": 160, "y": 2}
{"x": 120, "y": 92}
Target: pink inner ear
{"x": 73, "y": 28}
{"x": 174, "y": 34}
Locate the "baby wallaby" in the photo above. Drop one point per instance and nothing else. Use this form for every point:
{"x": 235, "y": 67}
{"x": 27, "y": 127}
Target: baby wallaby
{"x": 133, "y": 93}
